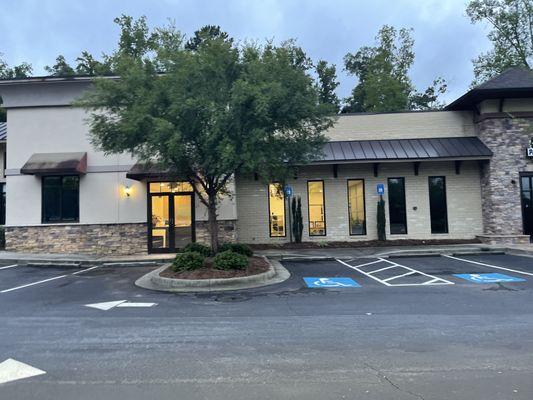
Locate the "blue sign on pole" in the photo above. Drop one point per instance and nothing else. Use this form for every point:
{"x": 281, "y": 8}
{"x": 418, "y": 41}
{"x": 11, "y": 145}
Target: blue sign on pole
{"x": 489, "y": 278}
{"x": 329, "y": 283}
{"x": 380, "y": 188}
{"x": 288, "y": 191}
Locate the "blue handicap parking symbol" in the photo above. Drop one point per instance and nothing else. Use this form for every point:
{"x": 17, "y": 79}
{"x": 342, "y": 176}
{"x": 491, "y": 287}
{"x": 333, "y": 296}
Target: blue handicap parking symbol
{"x": 489, "y": 278}
{"x": 330, "y": 282}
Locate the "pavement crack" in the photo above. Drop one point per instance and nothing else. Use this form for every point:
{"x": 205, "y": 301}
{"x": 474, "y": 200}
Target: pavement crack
{"x": 384, "y": 378}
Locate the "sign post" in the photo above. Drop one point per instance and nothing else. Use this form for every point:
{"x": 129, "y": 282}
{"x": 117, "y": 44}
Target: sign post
{"x": 529, "y": 150}
{"x": 287, "y": 190}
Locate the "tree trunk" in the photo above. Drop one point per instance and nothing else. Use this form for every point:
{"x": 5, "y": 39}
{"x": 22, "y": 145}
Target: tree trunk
{"x": 213, "y": 222}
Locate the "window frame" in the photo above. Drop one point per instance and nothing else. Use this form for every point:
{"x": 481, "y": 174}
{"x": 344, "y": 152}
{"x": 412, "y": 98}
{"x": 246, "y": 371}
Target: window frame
{"x": 61, "y": 220}
{"x": 348, "y": 204}
{"x": 447, "y": 228}
{"x": 309, "y": 209}
{"x": 404, "y": 202}
{"x": 284, "y": 212}
{"x": 3, "y": 193}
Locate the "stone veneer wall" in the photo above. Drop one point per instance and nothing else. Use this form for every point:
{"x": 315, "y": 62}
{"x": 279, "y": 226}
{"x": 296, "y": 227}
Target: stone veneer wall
{"x": 227, "y": 231}
{"x": 508, "y": 138}
{"x": 98, "y": 239}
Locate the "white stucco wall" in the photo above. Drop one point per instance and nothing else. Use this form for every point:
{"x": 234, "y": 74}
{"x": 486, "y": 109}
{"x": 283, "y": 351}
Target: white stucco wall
{"x": 102, "y": 200}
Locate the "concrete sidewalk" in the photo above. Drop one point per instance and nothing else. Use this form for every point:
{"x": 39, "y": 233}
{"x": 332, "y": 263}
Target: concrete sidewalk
{"x": 387, "y": 251}
{"x": 76, "y": 260}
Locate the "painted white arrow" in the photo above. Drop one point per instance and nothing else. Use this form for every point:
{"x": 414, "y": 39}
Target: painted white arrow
{"x": 13, "y": 370}
{"x": 108, "y": 305}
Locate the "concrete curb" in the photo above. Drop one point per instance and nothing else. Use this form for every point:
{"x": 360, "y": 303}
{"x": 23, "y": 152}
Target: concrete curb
{"x": 153, "y": 281}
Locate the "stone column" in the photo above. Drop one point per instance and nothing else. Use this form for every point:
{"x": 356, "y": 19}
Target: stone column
{"x": 508, "y": 139}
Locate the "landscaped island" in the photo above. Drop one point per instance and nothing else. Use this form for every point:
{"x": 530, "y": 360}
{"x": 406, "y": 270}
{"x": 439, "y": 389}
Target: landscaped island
{"x": 196, "y": 261}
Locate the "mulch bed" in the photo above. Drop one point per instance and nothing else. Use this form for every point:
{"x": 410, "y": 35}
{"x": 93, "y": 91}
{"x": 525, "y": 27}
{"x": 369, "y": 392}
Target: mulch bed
{"x": 256, "y": 265}
{"x": 358, "y": 244}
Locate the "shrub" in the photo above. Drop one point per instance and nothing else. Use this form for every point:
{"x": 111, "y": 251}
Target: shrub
{"x": 230, "y": 260}
{"x": 381, "y": 220}
{"x": 198, "y": 248}
{"x": 187, "y": 261}
{"x": 243, "y": 249}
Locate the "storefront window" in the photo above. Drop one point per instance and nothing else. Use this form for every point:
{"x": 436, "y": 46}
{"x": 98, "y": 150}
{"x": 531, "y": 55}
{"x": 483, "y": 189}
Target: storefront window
{"x": 397, "y": 212}
{"x": 2, "y": 203}
{"x": 276, "y": 210}
{"x": 317, "y": 208}
{"x": 527, "y": 203}
{"x": 356, "y": 206}
{"x": 170, "y": 187}
{"x": 437, "y": 204}
{"x": 60, "y": 199}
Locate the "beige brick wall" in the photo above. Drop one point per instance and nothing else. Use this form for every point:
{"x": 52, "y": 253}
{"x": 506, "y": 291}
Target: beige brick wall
{"x": 403, "y": 125}
{"x": 463, "y": 198}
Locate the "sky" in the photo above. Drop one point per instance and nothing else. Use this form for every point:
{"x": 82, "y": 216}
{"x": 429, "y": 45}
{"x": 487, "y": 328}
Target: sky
{"x": 36, "y": 31}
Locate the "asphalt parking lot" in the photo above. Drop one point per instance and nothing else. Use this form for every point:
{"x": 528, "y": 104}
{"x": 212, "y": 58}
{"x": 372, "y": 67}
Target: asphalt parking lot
{"x": 417, "y": 327}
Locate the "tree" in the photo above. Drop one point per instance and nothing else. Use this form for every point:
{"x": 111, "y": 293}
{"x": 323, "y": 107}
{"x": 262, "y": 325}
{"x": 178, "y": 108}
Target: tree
{"x": 382, "y": 71}
{"x": 6, "y": 72}
{"x": 88, "y": 65}
{"x": 327, "y": 84}
{"x": 210, "y": 113}
{"x": 511, "y": 35}
{"x": 381, "y": 220}
{"x": 207, "y": 32}
{"x": 60, "y": 68}
{"x": 297, "y": 219}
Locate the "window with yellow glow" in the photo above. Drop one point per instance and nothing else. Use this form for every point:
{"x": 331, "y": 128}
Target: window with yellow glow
{"x": 170, "y": 187}
{"x": 356, "y": 207}
{"x": 317, "y": 208}
{"x": 276, "y": 209}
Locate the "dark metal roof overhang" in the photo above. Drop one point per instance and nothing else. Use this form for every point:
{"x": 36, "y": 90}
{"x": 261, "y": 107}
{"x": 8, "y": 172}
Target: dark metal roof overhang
{"x": 3, "y": 131}
{"x": 397, "y": 150}
{"x": 56, "y": 164}
{"x": 516, "y": 82}
{"x": 469, "y": 100}
{"x": 142, "y": 171}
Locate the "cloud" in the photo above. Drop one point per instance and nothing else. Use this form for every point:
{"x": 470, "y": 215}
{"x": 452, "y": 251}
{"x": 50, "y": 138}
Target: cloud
{"x": 445, "y": 41}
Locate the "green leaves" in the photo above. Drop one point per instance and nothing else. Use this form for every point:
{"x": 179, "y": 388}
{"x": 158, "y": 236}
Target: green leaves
{"x": 511, "y": 36}
{"x": 6, "y": 72}
{"x": 384, "y": 84}
{"x": 218, "y": 108}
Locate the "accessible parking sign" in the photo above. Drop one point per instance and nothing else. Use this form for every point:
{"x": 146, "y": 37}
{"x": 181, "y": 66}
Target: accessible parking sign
{"x": 329, "y": 283}
{"x": 489, "y": 278}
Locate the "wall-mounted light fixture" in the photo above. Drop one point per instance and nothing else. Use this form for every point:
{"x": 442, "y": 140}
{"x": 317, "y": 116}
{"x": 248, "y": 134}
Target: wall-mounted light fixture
{"x": 127, "y": 190}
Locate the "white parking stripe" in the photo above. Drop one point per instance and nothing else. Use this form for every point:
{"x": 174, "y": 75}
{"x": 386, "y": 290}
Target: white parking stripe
{"x": 419, "y": 272}
{"x": 48, "y": 280}
{"x": 33, "y": 283}
{"x": 368, "y": 263}
{"x": 363, "y": 272}
{"x": 86, "y": 270}
{"x": 399, "y": 276}
{"x": 9, "y": 266}
{"x": 382, "y": 269}
{"x": 489, "y": 265}
{"x": 433, "y": 280}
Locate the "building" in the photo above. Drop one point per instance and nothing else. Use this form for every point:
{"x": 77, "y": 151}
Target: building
{"x": 460, "y": 173}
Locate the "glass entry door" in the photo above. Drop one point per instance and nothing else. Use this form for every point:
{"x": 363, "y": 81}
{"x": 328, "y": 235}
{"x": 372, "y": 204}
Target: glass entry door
{"x": 170, "y": 219}
{"x": 182, "y": 220}
{"x": 526, "y": 186}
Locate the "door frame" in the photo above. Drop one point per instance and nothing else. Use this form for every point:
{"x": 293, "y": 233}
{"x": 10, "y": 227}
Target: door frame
{"x": 525, "y": 175}
{"x": 171, "y": 248}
